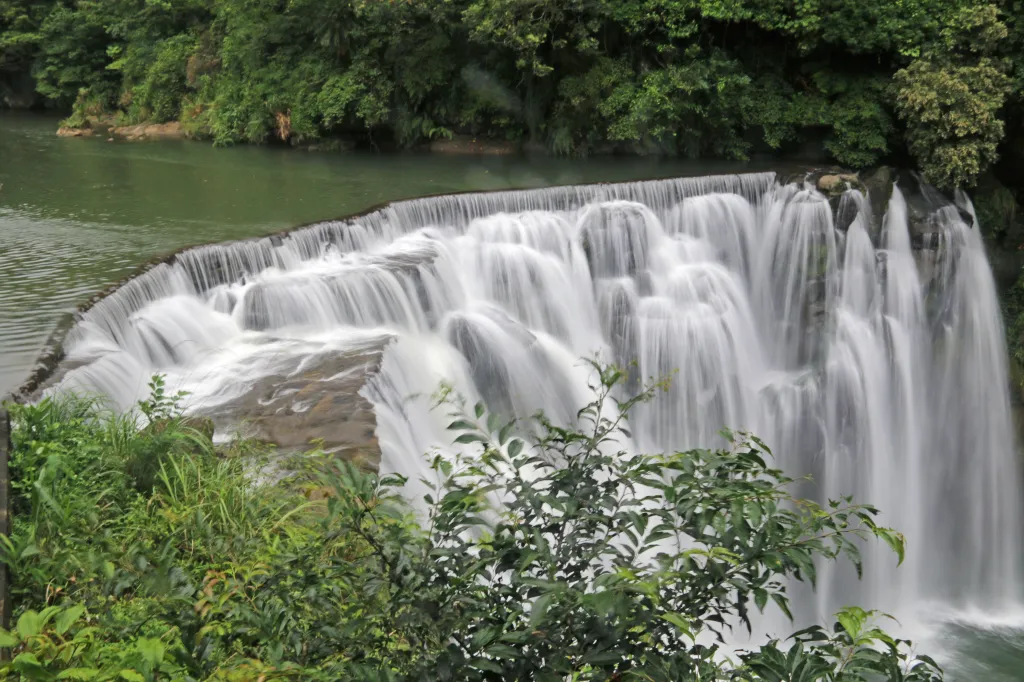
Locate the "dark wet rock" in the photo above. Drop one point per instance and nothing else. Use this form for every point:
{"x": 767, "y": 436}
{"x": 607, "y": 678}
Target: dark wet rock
{"x": 334, "y": 144}
{"x": 924, "y": 203}
{"x": 878, "y": 183}
{"x": 204, "y": 425}
{"x": 316, "y": 401}
{"x": 846, "y": 210}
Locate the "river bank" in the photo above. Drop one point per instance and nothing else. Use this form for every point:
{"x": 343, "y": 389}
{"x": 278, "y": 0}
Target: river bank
{"x": 107, "y": 127}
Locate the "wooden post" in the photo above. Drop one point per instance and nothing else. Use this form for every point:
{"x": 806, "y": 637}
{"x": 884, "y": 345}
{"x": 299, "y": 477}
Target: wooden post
{"x": 5, "y": 511}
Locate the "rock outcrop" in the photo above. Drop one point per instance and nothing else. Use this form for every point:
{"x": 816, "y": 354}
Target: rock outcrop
{"x": 150, "y": 131}
{"x": 75, "y": 132}
{"x": 316, "y": 401}
{"x": 837, "y": 184}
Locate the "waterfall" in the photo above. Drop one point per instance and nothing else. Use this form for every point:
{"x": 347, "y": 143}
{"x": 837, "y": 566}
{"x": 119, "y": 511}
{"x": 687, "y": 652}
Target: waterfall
{"x": 869, "y": 356}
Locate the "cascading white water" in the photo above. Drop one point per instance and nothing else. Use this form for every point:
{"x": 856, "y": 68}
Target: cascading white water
{"x": 877, "y": 367}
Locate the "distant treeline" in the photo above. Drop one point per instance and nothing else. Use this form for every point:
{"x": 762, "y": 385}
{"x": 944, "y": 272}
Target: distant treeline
{"x": 938, "y": 81}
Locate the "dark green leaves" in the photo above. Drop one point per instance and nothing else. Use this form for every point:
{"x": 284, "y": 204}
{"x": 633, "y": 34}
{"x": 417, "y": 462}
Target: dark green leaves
{"x": 544, "y": 553}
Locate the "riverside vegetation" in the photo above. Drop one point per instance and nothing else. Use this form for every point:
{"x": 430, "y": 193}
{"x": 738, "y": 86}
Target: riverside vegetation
{"x": 938, "y": 80}
{"x": 149, "y": 554}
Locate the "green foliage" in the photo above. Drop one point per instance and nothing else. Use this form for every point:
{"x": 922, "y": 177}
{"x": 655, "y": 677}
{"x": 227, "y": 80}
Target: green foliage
{"x": 72, "y": 61}
{"x": 560, "y": 556}
{"x": 997, "y": 211}
{"x": 693, "y": 77}
{"x": 953, "y": 126}
{"x": 545, "y": 552}
{"x": 58, "y": 644}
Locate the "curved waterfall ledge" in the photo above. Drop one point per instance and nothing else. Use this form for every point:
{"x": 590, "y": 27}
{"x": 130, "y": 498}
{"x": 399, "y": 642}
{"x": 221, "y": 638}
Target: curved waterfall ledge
{"x": 854, "y": 328}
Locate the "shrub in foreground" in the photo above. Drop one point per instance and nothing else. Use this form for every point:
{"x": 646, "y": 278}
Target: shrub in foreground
{"x": 544, "y": 552}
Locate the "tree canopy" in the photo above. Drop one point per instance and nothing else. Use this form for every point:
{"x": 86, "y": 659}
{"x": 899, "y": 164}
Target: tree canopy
{"x": 869, "y": 80}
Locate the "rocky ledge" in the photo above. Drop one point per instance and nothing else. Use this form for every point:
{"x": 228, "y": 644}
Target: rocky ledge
{"x": 150, "y": 131}
{"x": 314, "y": 401}
{"x": 143, "y": 131}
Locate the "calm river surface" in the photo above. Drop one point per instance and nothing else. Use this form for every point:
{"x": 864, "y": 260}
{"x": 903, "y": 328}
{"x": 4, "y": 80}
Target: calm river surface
{"x": 78, "y": 214}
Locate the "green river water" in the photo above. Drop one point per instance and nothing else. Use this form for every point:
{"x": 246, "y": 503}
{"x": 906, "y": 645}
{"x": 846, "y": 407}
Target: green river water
{"x": 79, "y": 214}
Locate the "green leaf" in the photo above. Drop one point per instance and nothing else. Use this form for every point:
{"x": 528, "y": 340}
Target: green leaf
{"x": 681, "y": 623}
{"x": 471, "y": 438}
{"x": 852, "y": 620}
{"x": 501, "y": 651}
{"x": 67, "y": 618}
{"x": 78, "y": 674}
{"x": 486, "y": 664}
{"x": 485, "y": 636}
{"x": 781, "y": 601}
{"x": 515, "y": 447}
{"x": 506, "y": 430}
{"x": 895, "y": 541}
{"x": 7, "y": 639}
{"x": 540, "y": 609}
{"x": 603, "y": 658}
{"x": 152, "y": 650}
{"x": 27, "y": 664}
{"x": 760, "y": 598}
{"x": 479, "y": 410}
{"x": 29, "y": 624}
{"x": 462, "y": 425}
{"x": 131, "y": 676}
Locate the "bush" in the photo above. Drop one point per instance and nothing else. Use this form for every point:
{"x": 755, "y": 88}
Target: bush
{"x": 550, "y": 553}
{"x": 601, "y": 564}
{"x": 953, "y": 126}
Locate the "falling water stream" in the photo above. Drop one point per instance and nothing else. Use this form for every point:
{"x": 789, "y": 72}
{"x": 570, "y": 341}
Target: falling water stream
{"x": 870, "y": 357}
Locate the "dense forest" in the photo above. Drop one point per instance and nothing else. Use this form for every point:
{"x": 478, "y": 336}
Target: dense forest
{"x": 933, "y": 81}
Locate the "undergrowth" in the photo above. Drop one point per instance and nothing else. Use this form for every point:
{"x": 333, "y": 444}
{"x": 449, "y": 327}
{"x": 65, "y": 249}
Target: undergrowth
{"x": 142, "y": 553}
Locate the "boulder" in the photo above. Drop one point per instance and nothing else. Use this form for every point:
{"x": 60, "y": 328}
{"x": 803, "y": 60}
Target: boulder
{"x": 837, "y": 184}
